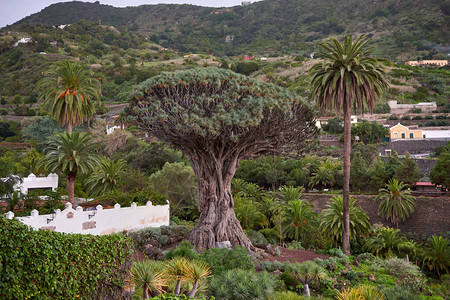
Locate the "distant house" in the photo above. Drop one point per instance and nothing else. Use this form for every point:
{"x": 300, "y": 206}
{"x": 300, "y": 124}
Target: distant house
{"x": 397, "y": 108}
{"x": 23, "y": 41}
{"x": 36, "y": 183}
{"x": 248, "y": 57}
{"x": 400, "y": 131}
{"x": 435, "y": 62}
{"x": 423, "y": 186}
{"x": 324, "y": 120}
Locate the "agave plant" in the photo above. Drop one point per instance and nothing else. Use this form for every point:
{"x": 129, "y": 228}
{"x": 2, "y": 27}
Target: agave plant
{"x": 397, "y": 203}
{"x": 148, "y": 276}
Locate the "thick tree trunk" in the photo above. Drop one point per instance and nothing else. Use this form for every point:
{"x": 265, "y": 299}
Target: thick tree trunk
{"x": 346, "y": 187}
{"x": 217, "y": 221}
{"x": 71, "y": 187}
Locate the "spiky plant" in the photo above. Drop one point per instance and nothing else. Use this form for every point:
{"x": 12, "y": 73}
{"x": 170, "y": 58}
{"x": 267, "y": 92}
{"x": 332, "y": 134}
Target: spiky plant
{"x": 386, "y": 243}
{"x": 197, "y": 271}
{"x": 175, "y": 269}
{"x": 308, "y": 272}
{"x": 148, "y": 276}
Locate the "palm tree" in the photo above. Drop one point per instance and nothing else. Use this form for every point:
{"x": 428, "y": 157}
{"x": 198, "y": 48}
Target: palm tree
{"x": 299, "y": 216}
{"x": 106, "y": 176}
{"x": 147, "y": 275}
{"x": 291, "y": 193}
{"x": 331, "y": 220}
{"x": 387, "y": 243}
{"x": 71, "y": 153}
{"x": 347, "y": 78}
{"x": 196, "y": 271}
{"x": 307, "y": 272}
{"x": 437, "y": 254}
{"x": 397, "y": 202}
{"x": 68, "y": 91}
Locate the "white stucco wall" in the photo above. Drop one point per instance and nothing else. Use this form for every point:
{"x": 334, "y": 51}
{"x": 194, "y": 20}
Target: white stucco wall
{"x": 33, "y": 182}
{"x": 105, "y": 221}
{"x": 436, "y": 134}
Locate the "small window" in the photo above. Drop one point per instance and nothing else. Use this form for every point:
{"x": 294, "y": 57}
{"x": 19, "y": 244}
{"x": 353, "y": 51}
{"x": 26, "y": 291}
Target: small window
{"x": 395, "y": 134}
{"x": 403, "y": 135}
{"x": 424, "y": 136}
{"x": 411, "y": 135}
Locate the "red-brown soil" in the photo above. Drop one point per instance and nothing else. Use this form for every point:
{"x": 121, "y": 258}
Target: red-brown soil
{"x": 295, "y": 256}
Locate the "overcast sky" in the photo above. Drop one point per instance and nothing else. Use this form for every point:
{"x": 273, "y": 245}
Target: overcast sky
{"x": 14, "y": 10}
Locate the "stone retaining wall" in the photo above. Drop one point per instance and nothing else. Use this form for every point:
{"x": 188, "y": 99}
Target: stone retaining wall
{"x": 431, "y": 216}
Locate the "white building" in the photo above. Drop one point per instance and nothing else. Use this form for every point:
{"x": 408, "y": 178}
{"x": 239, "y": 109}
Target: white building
{"x": 32, "y": 182}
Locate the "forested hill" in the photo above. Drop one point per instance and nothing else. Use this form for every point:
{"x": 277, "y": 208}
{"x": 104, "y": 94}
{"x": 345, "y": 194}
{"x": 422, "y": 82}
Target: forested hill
{"x": 402, "y": 29}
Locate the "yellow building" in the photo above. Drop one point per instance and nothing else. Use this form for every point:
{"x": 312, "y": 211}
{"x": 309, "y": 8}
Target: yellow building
{"x": 402, "y": 132}
{"x": 440, "y": 63}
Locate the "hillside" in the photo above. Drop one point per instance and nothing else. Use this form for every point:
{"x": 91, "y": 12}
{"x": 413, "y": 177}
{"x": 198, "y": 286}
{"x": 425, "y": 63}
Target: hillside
{"x": 401, "y": 30}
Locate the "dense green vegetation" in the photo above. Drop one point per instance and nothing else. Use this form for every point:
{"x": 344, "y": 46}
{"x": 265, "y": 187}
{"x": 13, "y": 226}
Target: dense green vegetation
{"x": 50, "y": 265}
{"x": 271, "y": 27}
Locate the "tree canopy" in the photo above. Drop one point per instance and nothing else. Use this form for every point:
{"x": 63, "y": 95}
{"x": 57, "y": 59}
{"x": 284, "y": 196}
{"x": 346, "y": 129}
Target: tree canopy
{"x": 217, "y": 118}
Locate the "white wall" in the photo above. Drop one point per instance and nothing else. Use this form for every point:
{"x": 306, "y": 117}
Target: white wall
{"x": 105, "y": 221}
{"x": 33, "y": 182}
{"x": 436, "y": 134}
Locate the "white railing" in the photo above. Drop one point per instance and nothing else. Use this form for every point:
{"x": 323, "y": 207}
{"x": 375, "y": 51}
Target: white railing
{"x": 99, "y": 221}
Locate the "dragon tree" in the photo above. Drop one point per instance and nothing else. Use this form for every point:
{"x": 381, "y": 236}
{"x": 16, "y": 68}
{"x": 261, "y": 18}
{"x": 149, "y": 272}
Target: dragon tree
{"x": 217, "y": 118}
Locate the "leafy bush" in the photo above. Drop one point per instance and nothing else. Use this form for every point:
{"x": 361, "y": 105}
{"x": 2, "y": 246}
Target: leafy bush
{"x": 170, "y": 296}
{"x": 242, "y": 284}
{"x": 399, "y": 293}
{"x": 184, "y": 249}
{"x": 256, "y": 237}
{"x": 393, "y": 117}
{"x": 50, "y": 265}
{"x": 286, "y": 295}
{"x": 222, "y": 260}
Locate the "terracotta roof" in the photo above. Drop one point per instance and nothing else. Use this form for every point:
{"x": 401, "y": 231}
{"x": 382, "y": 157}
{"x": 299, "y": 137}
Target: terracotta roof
{"x": 424, "y": 183}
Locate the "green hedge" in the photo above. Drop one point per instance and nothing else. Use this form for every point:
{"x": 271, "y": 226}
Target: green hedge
{"x": 50, "y": 265}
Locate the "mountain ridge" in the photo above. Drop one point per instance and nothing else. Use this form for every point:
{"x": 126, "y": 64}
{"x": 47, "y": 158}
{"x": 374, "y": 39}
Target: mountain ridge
{"x": 272, "y": 27}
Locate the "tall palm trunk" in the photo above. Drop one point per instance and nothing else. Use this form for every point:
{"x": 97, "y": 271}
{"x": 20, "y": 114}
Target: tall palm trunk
{"x": 177, "y": 289}
{"x": 71, "y": 187}
{"x": 346, "y": 188}
{"x": 69, "y": 128}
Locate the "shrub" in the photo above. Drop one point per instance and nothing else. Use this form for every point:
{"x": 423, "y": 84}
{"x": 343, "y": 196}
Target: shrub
{"x": 222, "y": 260}
{"x": 3, "y": 112}
{"x": 256, "y": 237}
{"x": 50, "y": 265}
{"x": 417, "y": 111}
{"x": 170, "y": 296}
{"x": 393, "y": 117}
{"x": 184, "y": 249}
{"x": 417, "y": 118}
{"x": 406, "y": 118}
{"x": 399, "y": 293}
{"x": 286, "y": 295}
{"x": 242, "y": 284}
